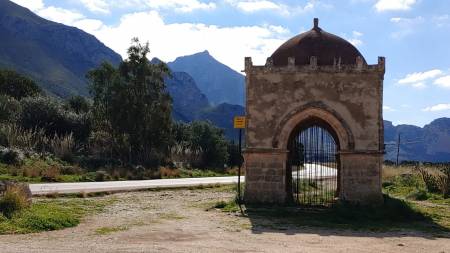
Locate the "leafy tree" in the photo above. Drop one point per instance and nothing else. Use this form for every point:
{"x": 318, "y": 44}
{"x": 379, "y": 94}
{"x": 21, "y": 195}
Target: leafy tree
{"x": 101, "y": 81}
{"x": 209, "y": 143}
{"x": 132, "y": 100}
{"x": 17, "y": 86}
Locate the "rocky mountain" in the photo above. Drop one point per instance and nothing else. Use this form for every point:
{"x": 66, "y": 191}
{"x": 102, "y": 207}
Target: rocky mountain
{"x": 55, "y": 55}
{"x": 430, "y": 143}
{"x": 218, "y": 82}
{"x": 188, "y": 100}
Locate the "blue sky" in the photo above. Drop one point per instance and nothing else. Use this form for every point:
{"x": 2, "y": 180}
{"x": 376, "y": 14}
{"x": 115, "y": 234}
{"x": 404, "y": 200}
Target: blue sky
{"x": 413, "y": 35}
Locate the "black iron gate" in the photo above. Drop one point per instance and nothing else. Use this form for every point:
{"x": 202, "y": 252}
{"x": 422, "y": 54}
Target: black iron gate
{"x": 313, "y": 166}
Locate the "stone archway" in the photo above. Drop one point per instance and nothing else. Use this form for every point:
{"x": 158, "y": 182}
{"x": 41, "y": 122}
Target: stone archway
{"x": 314, "y": 110}
{"x": 313, "y": 163}
{"x": 301, "y": 82}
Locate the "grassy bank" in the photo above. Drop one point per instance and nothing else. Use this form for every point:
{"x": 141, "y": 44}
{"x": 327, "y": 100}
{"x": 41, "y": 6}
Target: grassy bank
{"x": 51, "y": 214}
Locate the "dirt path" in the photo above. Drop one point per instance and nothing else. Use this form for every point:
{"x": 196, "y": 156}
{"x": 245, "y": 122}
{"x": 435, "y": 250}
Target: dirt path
{"x": 176, "y": 221}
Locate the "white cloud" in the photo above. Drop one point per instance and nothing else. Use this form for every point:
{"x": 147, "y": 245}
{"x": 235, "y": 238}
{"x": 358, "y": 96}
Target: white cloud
{"x": 180, "y": 5}
{"x": 417, "y": 79}
{"x": 33, "y": 5}
{"x": 388, "y": 108}
{"x": 436, "y": 108}
{"x": 406, "y": 26}
{"x": 96, "y": 6}
{"x": 60, "y": 15}
{"x": 356, "y": 38}
{"x": 407, "y": 21}
{"x": 419, "y": 85}
{"x": 394, "y": 5}
{"x": 443, "y": 82}
{"x": 88, "y": 25}
{"x": 251, "y": 6}
{"x": 441, "y": 20}
{"x": 167, "y": 41}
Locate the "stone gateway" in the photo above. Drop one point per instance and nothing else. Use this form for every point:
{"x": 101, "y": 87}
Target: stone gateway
{"x": 314, "y": 130}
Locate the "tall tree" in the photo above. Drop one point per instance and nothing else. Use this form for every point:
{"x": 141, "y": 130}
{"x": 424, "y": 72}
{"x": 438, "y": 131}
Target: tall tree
{"x": 134, "y": 101}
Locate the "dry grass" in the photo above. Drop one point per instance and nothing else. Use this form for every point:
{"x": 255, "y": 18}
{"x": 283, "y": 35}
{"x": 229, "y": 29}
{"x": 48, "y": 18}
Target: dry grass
{"x": 14, "y": 200}
{"x": 169, "y": 173}
{"x": 390, "y": 172}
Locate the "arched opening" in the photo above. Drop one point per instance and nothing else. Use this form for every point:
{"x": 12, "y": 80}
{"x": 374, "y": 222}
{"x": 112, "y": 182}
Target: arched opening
{"x": 313, "y": 164}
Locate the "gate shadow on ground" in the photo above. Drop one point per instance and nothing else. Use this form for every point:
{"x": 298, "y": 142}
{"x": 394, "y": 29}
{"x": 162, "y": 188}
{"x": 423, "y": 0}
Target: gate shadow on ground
{"x": 394, "y": 219}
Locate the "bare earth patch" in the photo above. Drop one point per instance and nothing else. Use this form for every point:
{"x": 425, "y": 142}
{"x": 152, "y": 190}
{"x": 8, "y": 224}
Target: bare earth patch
{"x": 178, "y": 221}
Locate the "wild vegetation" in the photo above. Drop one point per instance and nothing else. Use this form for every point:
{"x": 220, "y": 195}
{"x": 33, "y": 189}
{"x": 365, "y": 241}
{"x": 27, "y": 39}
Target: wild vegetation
{"x": 124, "y": 130}
{"x": 415, "y": 198}
{"x": 51, "y": 214}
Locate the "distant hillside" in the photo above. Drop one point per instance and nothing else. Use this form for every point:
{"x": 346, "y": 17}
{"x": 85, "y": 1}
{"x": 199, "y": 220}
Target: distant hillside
{"x": 430, "y": 143}
{"x": 218, "y": 82}
{"x": 188, "y": 100}
{"x": 55, "y": 55}
{"x": 222, "y": 116}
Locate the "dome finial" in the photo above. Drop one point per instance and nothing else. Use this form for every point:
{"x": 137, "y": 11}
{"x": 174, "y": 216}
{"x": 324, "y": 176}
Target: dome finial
{"x": 316, "y": 23}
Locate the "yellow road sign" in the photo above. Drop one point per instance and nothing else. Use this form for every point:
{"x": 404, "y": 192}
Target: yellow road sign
{"x": 239, "y": 122}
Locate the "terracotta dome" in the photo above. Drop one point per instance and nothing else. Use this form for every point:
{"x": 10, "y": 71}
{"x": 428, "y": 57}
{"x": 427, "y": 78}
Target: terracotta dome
{"x": 326, "y": 47}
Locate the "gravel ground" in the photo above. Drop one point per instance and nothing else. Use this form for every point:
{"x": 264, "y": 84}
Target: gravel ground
{"x": 178, "y": 221}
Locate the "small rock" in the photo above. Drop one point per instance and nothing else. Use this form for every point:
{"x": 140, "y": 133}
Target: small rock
{"x": 401, "y": 244}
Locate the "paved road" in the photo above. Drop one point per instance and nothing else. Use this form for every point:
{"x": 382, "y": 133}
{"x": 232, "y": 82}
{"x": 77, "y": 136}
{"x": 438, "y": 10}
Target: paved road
{"x": 113, "y": 186}
{"x": 314, "y": 171}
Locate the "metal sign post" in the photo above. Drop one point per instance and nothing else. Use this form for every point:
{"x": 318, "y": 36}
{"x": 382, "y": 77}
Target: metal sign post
{"x": 239, "y": 123}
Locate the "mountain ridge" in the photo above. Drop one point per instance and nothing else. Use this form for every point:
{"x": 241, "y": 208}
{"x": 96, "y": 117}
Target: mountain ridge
{"x": 55, "y": 55}
{"x": 218, "y": 82}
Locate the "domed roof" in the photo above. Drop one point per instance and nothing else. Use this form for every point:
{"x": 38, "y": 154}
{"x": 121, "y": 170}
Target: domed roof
{"x": 326, "y": 47}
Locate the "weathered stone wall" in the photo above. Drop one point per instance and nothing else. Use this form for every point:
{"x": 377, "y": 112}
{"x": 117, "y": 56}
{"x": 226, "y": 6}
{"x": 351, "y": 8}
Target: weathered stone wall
{"x": 267, "y": 172}
{"x": 348, "y": 98}
{"x": 361, "y": 178}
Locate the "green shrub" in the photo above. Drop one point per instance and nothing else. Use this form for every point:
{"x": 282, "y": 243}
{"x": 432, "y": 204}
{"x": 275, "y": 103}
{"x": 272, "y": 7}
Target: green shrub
{"x": 221, "y": 204}
{"x": 11, "y": 156}
{"x": 51, "y": 214}
{"x": 387, "y": 184}
{"x": 48, "y": 114}
{"x": 71, "y": 170}
{"x": 45, "y": 220}
{"x": 230, "y": 206}
{"x": 419, "y": 194}
{"x": 78, "y": 104}
{"x": 50, "y": 174}
{"x": 14, "y": 200}
{"x": 408, "y": 180}
{"x": 89, "y": 177}
{"x": 101, "y": 176}
{"x": 16, "y": 85}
